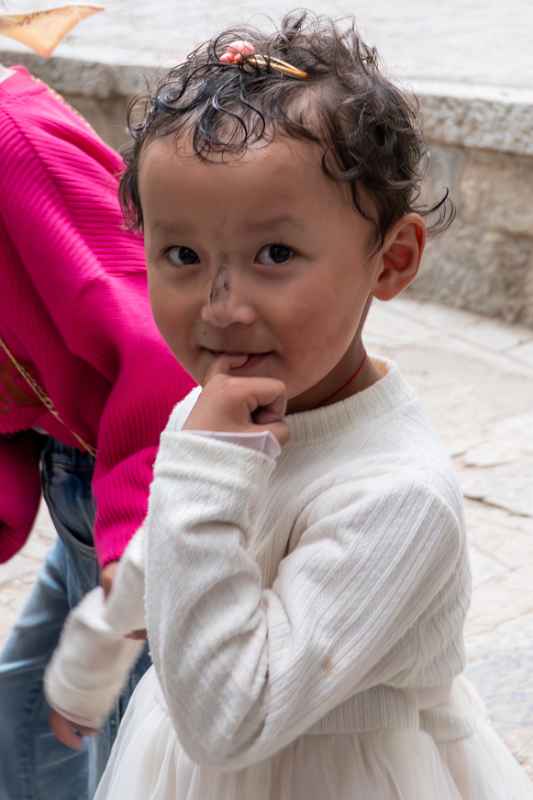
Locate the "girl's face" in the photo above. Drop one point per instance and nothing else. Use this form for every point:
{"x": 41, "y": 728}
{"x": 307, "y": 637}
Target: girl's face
{"x": 261, "y": 255}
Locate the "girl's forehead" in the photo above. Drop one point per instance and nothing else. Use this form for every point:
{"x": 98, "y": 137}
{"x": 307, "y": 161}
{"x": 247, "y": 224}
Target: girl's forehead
{"x": 280, "y": 186}
{"x": 284, "y": 166}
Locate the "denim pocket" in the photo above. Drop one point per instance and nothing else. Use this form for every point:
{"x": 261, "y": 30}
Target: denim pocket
{"x": 66, "y": 476}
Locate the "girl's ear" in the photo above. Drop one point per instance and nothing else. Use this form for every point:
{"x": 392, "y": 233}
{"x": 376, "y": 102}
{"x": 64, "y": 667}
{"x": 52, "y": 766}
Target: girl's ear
{"x": 400, "y": 256}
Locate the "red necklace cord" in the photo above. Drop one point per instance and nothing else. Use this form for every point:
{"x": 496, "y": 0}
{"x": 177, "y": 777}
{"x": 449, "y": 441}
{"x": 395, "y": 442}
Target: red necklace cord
{"x": 344, "y": 385}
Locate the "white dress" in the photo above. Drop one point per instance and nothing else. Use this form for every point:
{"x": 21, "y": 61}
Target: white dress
{"x": 305, "y": 620}
{"x": 148, "y": 763}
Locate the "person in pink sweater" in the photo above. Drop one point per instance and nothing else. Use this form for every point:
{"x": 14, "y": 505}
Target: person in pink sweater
{"x": 86, "y": 386}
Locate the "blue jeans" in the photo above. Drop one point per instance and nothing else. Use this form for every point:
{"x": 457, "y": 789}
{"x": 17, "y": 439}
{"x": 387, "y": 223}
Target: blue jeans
{"x": 33, "y": 764}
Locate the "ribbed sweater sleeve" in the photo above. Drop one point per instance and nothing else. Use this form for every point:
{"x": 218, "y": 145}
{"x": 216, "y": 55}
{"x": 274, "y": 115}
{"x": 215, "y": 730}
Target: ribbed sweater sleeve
{"x": 93, "y": 658}
{"x": 246, "y": 670}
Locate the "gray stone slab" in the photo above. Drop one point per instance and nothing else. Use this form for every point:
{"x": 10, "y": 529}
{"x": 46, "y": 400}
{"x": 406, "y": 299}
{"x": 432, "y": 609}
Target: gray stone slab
{"x": 508, "y": 486}
{"x": 500, "y": 535}
{"x": 485, "y": 567}
{"x": 499, "y": 338}
{"x": 523, "y": 353}
{"x": 506, "y": 443}
{"x": 499, "y": 470}
{"x": 477, "y": 117}
{"x": 501, "y": 666}
{"x": 499, "y": 600}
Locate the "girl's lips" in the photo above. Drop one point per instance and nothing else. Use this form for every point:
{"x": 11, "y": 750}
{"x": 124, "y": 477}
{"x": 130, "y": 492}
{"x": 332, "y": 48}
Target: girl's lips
{"x": 244, "y": 360}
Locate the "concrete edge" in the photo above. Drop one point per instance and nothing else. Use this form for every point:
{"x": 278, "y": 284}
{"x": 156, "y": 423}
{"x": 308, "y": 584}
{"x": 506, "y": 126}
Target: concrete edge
{"x": 478, "y": 118}
{"x": 465, "y": 115}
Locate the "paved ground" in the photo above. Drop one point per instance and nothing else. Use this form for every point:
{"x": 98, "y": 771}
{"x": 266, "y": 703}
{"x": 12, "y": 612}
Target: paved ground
{"x": 486, "y": 43}
{"x": 476, "y": 378}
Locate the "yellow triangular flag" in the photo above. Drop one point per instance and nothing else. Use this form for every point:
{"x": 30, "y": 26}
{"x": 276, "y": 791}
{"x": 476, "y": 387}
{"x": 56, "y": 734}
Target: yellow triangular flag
{"x": 43, "y": 30}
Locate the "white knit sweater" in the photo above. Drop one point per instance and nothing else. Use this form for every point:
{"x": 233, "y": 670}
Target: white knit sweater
{"x": 323, "y": 592}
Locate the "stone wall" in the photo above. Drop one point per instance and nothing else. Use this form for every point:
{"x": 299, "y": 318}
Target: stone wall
{"x": 484, "y": 262}
{"x": 481, "y": 147}
{"x": 107, "y": 116}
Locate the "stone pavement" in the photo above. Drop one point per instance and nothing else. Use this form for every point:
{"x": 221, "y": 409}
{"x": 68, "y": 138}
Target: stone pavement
{"x": 476, "y": 379}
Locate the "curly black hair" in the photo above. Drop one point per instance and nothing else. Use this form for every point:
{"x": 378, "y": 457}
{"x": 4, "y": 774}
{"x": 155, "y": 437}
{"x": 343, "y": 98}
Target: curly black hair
{"x": 367, "y": 128}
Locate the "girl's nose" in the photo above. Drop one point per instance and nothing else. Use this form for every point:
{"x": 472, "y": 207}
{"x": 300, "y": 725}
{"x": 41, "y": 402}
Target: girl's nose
{"x": 225, "y": 305}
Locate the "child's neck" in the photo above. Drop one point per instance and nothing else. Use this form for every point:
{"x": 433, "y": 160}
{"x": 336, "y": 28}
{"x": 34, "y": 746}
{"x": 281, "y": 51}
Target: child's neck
{"x": 358, "y": 381}
{"x": 367, "y": 377}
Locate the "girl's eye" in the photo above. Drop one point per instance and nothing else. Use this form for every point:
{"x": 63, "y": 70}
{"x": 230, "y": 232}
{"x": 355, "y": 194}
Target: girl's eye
{"x": 275, "y": 254}
{"x": 181, "y": 256}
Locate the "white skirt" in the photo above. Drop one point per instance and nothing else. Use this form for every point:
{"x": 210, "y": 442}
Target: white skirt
{"x": 147, "y": 762}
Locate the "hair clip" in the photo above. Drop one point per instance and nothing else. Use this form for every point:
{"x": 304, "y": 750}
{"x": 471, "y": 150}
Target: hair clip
{"x": 242, "y": 52}
{"x": 237, "y": 52}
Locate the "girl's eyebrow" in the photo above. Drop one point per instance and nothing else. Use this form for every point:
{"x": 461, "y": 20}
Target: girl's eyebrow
{"x": 171, "y": 227}
{"x": 254, "y": 227}
{"x": 276, "y": 222}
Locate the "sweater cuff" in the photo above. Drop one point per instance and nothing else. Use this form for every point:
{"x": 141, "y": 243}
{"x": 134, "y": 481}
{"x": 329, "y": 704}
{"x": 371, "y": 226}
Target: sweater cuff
{"x": 90, "y": 666}
{"x": 124, "y": 607}
{"x": 263, "y": 441}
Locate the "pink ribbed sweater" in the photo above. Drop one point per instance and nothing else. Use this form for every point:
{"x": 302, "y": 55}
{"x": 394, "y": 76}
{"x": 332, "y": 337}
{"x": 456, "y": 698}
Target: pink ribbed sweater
{"x": 74, "y": 310}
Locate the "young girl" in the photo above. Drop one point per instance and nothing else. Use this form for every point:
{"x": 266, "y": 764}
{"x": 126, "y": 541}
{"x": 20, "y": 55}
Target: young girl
{"x": 307, "y": 577}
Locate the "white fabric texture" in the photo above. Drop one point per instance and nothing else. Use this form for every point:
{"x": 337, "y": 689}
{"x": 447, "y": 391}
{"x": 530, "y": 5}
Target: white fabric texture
{"x": 307, "y": 595}
{"x": 305, "y": 619}
{"x": 148, "y": 762}
{"x": 93, "y": 659}
{"x": 263, "y": 441}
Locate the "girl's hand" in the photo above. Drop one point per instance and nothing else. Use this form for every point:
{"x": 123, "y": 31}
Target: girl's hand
{"x": 68, "y": 732}
{"x": 234, "y": 404}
